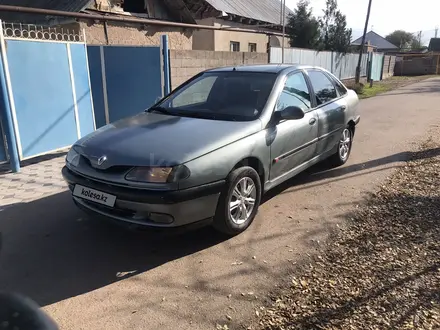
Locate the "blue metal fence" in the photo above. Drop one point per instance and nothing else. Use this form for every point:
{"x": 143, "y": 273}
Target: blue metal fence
{"x": 3, "y": 153}
{"x": 42, "y": 89}
{"x": 125, "y": 80}
{"x": 47, "y": 81}
{"x": 46, "y": 90}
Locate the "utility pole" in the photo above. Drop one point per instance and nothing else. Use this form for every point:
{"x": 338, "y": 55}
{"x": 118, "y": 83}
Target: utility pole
{"x": 283, "y": 22}
{"x": 436, "y": 31}
{"x": 358, "y": 68}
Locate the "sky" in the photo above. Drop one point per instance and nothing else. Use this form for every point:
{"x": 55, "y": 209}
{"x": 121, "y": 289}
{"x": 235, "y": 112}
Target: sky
{"x": 386, "y": 16}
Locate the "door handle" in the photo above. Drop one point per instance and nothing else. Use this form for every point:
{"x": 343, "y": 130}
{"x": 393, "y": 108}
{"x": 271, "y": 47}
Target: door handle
{"x": 312, "y": 121}
{"x": 343, "y": 107}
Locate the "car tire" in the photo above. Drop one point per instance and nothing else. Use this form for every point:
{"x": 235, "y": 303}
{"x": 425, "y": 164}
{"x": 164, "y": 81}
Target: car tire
{"x": 243, "y": 187}
{"x": 345, "y": 143}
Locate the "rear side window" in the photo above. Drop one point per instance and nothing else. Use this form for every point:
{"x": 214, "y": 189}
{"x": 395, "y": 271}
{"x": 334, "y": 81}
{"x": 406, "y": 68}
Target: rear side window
{"x": 340, "y": 88}
{"x": 324, "y": 89}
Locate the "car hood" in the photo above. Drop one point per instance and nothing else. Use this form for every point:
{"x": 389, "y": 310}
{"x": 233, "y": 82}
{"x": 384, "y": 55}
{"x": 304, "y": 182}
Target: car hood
{"x": 152, "y": 139}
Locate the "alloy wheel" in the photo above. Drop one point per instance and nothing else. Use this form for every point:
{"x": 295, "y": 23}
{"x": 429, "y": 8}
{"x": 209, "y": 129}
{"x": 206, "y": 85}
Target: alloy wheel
{"x": 242, "y": 201}
{"x": 345, "y": 144}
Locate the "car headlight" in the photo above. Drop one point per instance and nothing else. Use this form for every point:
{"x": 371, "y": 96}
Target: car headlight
{"x": 158, "y": 174}
{"x": 73, "y": 157}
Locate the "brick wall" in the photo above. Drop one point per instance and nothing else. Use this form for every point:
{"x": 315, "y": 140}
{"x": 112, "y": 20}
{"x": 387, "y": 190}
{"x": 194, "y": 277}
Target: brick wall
{"x": 187, "y": 63}
{"x": 388, "y": 66}
{"x": 121, "y": 34}
{"x": 130, "y": 34}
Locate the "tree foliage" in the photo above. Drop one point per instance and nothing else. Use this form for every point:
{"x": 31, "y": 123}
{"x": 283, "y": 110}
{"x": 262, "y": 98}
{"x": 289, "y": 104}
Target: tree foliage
{"x": 329, "y": 32}
{"x": 403, "y": 39}
{"x": 335, "y": 36}
{"x": 303, "y": 27}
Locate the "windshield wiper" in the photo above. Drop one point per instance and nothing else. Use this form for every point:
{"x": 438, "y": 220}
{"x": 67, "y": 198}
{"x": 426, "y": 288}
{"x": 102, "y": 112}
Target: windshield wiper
{"x": 162, "y": 110}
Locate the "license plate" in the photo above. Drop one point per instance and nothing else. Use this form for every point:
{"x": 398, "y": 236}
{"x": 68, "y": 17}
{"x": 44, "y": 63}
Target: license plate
{"x": 94, "y": 195}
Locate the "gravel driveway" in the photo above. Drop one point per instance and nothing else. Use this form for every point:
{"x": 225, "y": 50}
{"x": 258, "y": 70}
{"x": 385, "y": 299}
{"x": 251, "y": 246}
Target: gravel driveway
{"x": 91, "y": 275}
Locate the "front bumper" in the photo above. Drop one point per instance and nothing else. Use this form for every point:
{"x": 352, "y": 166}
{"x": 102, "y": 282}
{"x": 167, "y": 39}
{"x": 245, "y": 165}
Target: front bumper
{"x": 147, "y": 207}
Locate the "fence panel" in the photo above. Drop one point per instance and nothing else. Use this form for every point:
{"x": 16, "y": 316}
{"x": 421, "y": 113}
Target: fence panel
{"x": 48, "y": 87}
{"x": 125, "y": 80}
{"x": 82, "y": 88}
{"x": 3, "y": 153}
{"x": 343, "y": 66}
{"x": 42, "y": 89}
{"x": 376, "y": 66}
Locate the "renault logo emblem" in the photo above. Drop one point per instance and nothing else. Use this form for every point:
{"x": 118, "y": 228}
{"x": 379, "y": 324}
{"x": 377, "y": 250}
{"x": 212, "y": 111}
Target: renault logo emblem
{"x": 101, "y": 160}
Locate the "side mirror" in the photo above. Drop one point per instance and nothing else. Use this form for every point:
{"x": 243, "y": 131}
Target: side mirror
{"x": 290, "y": 113}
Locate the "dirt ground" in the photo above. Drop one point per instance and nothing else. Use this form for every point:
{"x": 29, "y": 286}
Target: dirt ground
{"x": 381, "y": 271}
{"x": 385, "y": 85}
{"x": 401, "y": 81}
{"x": 88, "y": 274}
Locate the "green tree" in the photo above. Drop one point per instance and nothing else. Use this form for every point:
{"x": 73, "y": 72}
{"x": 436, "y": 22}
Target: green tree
{"x": 402, "y": 39}
{"x": 303, "y": 27}
{"x": 335, "y": 36}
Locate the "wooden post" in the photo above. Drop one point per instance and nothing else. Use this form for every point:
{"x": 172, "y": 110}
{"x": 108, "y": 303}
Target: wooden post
{"x": 383, "y": 66}
{"x": 438, "y": 63}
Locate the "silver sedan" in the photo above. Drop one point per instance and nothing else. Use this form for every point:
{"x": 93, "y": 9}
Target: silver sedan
{"x": 209, "y": 151}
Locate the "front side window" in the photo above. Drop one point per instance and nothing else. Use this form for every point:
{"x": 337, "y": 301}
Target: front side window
{"x": 295, "y": 93}
{"x": 228, "y": 95}
{"x": 324, "y": 89}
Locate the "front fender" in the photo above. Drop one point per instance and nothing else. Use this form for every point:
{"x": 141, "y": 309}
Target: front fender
{"x": 217, "y": 164}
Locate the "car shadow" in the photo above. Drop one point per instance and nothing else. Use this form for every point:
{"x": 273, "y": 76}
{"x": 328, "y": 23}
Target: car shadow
{"x": 51, "y": 251}
{"x": 323, "y": 171}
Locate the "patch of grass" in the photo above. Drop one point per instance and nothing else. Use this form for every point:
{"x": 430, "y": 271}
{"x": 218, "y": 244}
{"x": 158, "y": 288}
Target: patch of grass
{"x": 387, "y": 85}
{"x": 373, "y": 91}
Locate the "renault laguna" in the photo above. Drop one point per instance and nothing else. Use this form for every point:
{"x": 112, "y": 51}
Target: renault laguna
{"x": 209, "y": 150}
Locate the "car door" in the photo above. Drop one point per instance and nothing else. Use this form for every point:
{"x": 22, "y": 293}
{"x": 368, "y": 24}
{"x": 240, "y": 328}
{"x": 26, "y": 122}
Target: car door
{"x": 294, "y": 141}
{"x": 330, "y": 107}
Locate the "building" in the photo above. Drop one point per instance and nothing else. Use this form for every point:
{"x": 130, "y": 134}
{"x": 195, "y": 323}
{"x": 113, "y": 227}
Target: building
{"x": 434, "y": 45}
{"x": 261, "y": 15}
{"x": 375, "y": 42}
{"x": 112, "y": 33}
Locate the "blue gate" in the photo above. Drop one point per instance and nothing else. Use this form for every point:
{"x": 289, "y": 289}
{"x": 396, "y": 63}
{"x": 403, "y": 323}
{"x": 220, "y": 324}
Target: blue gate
{"x": 3, "y": 153}
{"x": 125, "y": 80}
{"x": 48, "y": 88}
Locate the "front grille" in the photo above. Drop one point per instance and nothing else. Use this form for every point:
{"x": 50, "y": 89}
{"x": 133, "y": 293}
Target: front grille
{"x": 117, "y": 169}
{"x": 111, "y": 210}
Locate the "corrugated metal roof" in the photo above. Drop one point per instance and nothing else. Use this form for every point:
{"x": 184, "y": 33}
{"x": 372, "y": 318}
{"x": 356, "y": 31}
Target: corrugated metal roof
{"x": 179, "y": 10}
{"x": 64, "y": 5}
{"x": 375, "y": 40}
{"x": 262, "y": 10}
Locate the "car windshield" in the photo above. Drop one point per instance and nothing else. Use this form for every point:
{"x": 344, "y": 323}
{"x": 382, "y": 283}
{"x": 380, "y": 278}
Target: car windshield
{"x": 232, "y": 95}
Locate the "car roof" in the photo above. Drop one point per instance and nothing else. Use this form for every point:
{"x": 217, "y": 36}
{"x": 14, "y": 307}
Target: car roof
{"x": 269, "y": 68}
